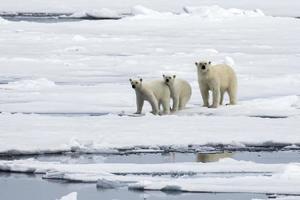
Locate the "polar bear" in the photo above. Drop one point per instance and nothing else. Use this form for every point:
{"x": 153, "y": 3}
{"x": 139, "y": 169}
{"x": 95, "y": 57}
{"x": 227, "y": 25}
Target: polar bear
{"x": 181, "y": 91}
{"x": 218, "y": 79}
{"x": 156, "y": 92}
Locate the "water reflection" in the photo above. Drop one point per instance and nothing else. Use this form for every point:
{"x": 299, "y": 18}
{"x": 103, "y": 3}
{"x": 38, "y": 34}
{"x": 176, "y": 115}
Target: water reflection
{"x": 201, "y": 157}
{"x": 213, "y": 157}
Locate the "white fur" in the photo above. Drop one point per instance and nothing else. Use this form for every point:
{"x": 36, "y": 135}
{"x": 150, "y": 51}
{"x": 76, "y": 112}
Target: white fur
{"x": 218, "y": 79}
{"x": 156, "y": 92}
{"x": 180, "y": 91}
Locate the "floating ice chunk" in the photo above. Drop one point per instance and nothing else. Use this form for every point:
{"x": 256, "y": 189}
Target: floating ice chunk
{"x": 79, "y": 14}
{"x": 108, "y": 184}
{"x": 102, "y": 13}
{"x": 70, "y": 196}
{"x": 54, "y": 175}
{"x": 172, "y": 188}
{"x": 292, "y": 147}
{"x": 217, "y": 12}
{"x": 141, "y": 185}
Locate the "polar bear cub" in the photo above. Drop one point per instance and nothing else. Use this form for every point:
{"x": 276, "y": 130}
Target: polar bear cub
{"x": 181, "y": 91}
{"x": 156, "y": 92}
{"x": 218, "y": 79}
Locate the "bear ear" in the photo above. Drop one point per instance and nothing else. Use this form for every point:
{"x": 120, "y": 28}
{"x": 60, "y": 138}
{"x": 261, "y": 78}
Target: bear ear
{"x": 174, "y": 76}
{"x": 164, "y": 75}
{"x": 141, "y": 79}
{"x": 196, "y": 64}
{"x": 130, "y": 80}
{"x": 209, "y": 62}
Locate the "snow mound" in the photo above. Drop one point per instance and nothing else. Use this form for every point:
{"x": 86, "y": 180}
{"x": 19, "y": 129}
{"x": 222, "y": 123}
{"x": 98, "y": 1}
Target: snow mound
{"x": 3, "y": 21}
{"x": 108, "y": 184}
{"x": 144, "y": 11}
{"x": 31, "y": 84}
{"x": 79, "y": 38}
{"x": 217, "y": 12}
{"x": 102, "y": 13}
{"x": 141, "y": 10}
{"x": 70, "y": 196}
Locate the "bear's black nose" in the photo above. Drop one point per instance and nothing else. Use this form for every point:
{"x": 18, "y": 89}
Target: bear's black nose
{"x": 203, "y": 67}
{"x": 167, "y": 80}
{"x": 133, "y": 86}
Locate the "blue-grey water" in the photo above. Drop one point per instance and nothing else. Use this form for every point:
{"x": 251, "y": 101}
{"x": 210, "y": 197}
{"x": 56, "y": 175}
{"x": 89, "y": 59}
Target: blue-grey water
{"x": 25, "y": 187}
{"x": 152, "y": 158}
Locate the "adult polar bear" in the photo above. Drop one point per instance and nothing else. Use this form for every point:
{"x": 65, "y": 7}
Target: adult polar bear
{"x": 180, "y": 89}
{"x": 156, "y": 92}
{"x": 219, "y": 79}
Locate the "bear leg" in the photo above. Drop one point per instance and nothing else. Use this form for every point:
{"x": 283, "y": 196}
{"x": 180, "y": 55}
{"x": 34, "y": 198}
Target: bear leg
{"x": 175, "y": 104}
{"x": 216, "y": 97}
{"x": 139, "y": 105}
{"x": 166, "y": 106}
{"x": 154, "y": 104}
{"x": 221, "y": 96}
{"x": 232, "y": 96}
{"x": 205, "y": 96}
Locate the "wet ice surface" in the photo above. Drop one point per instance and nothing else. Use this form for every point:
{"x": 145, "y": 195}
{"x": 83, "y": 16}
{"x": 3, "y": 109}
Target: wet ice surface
{"x": 34, "y": 188}
{"x": 54, "y": 189}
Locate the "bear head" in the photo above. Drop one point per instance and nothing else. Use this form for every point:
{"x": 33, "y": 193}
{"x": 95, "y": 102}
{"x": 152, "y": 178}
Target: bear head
{"x": 203, "y": 66}
{"x": 169, "y": 79}
{"x": 136, "y": 83}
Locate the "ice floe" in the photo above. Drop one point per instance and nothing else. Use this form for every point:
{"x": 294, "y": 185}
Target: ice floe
{"x": 226, "y": 175}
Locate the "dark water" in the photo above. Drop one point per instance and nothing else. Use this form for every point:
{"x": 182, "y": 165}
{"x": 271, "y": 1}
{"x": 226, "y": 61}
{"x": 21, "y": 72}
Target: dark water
{"x": 152, "y": 158}
{"x": 20, "y": 186}
{"x": 50, "y": 17}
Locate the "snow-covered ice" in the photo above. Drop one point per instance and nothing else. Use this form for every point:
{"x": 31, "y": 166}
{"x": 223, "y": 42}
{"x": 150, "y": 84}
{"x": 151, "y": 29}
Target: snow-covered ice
{"x": 84, "y": 67}
{"x": 63, "y": 86}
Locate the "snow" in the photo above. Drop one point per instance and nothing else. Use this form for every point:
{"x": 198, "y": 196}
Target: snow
{"x": 35, "y": 84}
{"x": 73, "y": 79}
{"x": 217, "y": 12}
{"x": 70, "y": 196}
